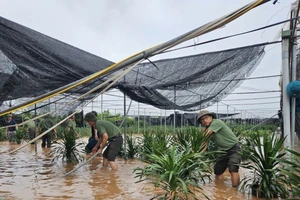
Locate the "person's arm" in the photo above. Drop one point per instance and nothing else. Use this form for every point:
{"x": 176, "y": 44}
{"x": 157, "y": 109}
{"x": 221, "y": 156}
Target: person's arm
{"x": 207, "y": 133}
{"x": 6, "y": 131}
{"x": 101, "y": 142}
{"x": 17, "y": 127}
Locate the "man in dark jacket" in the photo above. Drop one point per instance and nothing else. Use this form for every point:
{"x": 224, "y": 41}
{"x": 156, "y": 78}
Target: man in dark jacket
{"x": 12, "y": 128}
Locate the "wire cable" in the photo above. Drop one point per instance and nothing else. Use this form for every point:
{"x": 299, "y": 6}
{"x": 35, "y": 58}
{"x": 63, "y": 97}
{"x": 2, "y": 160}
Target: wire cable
{"x": 230, "y": 36}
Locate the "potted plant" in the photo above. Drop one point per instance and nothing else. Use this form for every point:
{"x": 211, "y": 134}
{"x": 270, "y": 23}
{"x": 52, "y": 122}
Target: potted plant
{"x": 265, "y": 179}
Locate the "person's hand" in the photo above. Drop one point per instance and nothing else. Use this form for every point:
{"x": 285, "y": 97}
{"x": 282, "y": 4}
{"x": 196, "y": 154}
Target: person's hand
{"x": 94, "y": 150}
{"x": 100, "y": 151}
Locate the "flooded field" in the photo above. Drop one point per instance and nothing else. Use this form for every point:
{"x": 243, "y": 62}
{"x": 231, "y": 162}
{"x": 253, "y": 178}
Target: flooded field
{"x": 27, "y": 175}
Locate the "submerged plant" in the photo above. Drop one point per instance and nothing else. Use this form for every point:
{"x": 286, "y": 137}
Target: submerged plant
{"x": 265, "y": 178}
{"x": 291, "y": 168}
{"x": 133, "y": 146}
{"x": 176, "y": 171}
{"x": 68, "y": 149}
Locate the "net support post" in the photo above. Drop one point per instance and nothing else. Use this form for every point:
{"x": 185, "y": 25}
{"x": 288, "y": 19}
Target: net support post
{"x": 285, "y": 81}
{"x": 125, "y": 124}
{"x": 293, "y": 102}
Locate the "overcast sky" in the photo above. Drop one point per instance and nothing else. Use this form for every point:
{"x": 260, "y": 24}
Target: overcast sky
{"x": 117, "y": 29}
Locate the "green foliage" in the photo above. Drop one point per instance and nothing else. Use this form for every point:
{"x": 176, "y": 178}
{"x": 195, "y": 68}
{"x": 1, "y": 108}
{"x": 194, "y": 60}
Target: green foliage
{"x": 133, "y": 146}
{"x": 291, "y": 168}
{"x": 263, "y": 154}
{"x": 191, "y": 137}
{"x": 176, "y": 171}
{"x": 3, "y": 135}
{"x": 19, "y": 136}
{"x": 68, "y": 149}
{"x": 84, "y": 132}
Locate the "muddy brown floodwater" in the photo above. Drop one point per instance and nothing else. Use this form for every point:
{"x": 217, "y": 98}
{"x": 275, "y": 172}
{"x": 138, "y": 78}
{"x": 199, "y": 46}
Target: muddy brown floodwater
{"x": 27, "y": 175}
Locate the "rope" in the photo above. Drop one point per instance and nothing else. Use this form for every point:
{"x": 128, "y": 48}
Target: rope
{"x": 264, "y": 121}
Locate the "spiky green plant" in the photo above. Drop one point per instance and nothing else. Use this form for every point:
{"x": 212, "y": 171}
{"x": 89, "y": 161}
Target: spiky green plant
{"x": 147, "y": 142}
{"x": 68, "y": 149}
{"x": 133, "y": 146}
{"x": 3, "y": 135}
{"x": 265, "y": 177}
{"x": 291, "y": 168}
{"x": 176, "y": 171}
{"x": 19, "y": 136}
{"x": 191, "y": 137}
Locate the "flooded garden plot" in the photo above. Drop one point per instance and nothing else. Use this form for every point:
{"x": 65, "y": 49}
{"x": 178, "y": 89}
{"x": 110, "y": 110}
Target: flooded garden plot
{"x": 27, "y": 175}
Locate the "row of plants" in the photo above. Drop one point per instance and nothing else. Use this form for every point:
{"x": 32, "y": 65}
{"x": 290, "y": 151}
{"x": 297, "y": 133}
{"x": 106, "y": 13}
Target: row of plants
{"x": 274, "y": 171}
{"x": 176, "y": 163}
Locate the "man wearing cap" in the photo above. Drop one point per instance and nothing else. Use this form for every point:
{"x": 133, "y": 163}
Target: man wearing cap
{"x": 109, "y": 135}
{"x": 12, "y": 128}
{"x": 29, "y": 128}
{"x": 93, "y": 140}
{"x": 226, "y": 141}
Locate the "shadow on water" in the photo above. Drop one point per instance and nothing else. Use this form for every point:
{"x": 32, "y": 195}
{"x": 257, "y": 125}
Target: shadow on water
{"x": 27, "y": 175}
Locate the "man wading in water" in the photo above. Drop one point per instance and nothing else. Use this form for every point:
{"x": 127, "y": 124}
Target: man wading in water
{"x": 11, "y": 131}
{"x": 109, "y": 134}
{"x": 226, "y": 141}
{"x": 93, "y": 140}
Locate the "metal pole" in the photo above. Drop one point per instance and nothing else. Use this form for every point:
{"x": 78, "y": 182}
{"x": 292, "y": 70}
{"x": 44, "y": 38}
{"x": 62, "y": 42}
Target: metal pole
{"x": 181, "y": 115}
{"x": 125, "y": 124}
{"x": 199, "y": 110}
{"x": 293, "y": 106}
{"x": 138, "y": 118}
{"x": 144, "y": 120}
{"x": 160, "y": 119}
{"x": 285, "y": 80}
{"x": 35, "y": 124}
{"x": 174, "y": 109}
{"x": 195, "y": 119}
{"x": 101, "y": 107}
{"x": 227, "y": 112}
{"x": 217, "y": 109}
{"x": 165, "y": 121}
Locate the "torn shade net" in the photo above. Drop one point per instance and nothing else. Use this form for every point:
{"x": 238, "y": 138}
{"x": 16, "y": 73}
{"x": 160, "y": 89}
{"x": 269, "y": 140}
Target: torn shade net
{"x": 33, "y": 64}
{"x": 191, "y": 82}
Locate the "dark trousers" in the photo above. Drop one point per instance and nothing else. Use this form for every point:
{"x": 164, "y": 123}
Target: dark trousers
{"x": 91, "y": 144}
{"x": 47, "y": 139}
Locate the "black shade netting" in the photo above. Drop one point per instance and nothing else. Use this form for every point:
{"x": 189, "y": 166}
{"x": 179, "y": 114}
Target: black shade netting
{"x": 191, "y": 82}
{"x": 32, "y": 63}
